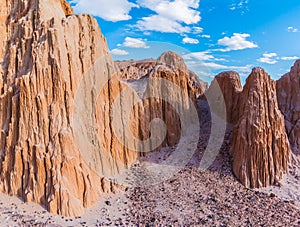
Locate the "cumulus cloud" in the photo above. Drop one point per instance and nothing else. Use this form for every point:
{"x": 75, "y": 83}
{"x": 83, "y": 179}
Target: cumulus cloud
{"x": 171, "y": 16}
{"x": 114, "y": 10}
{"x": 119, "y": 52}
{"x": 269, "y": 58}
{"x": 201, "y": 56}
{"x": 187, "y": 40}
{"x": 236, "y": 42}
{"x": 135, "y": 43}
{"x": 292, "y": 58}
{"x": 161, "y": 24}
{"x": 215, "y": 66}
{"x": 212, "y": 66}
{"x": 292, "y": 29}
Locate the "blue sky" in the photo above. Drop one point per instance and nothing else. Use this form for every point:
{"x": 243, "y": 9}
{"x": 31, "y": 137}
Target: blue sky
{"x": 211, "y": 35}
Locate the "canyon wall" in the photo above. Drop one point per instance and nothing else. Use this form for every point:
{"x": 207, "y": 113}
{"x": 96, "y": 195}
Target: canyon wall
{"x": 45, "y": 51}
{"x": 64, "y": 109}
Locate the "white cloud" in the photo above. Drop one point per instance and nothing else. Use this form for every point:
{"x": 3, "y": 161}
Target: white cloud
{"x": 170, "y": 15}
{"x": 215, "y": 66}
{"x": 197, "y": 30}
{"x": 205, "y": 62}
{"x": 289, "y": 58}
{"x": 292, "y": 29}
{"x": 268, "y": 58}
{"x": 206, "y": 36}
{"x": 115, "y": 10}
{"x": 135, "y": 43}
{"x": 212, "y": 66}
{"x": 236, "y": 42}
{"x": 161, "y": 24}
{"x": 188, "y": 40}
{"x": 201, "y": 56}
{"x": 241, "y": 5}
{"x": 119, "y": 52}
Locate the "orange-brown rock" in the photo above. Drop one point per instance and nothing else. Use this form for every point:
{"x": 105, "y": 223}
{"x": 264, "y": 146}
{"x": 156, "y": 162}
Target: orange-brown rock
{"x": 229, "y": 84}
{"x": 288, "y": 95}
{"x": 138, "y": 69}
{"x": 260, "y": 146}
{"x": 59, "y": 89}
{"x": 142, "y": 75}
{"x": 199, "y": 85}
{"x": 42, "y": 64}
{"x": 67, "y": 8}
{"x": 135, "y": 69}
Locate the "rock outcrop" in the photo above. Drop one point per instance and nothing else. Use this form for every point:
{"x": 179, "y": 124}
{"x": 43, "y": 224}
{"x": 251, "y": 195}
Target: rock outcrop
{"x": 288, "y": 95}
{"x": 142, "y": 77}
{"x": 229, "y": 84}
{"x": 64, "y": 111}
{"x": 45, "y": 54}
{"x": 260, "y": 146}
{"x": 135, "y": 70}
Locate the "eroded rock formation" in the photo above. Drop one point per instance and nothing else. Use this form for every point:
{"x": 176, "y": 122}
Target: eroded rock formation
{"x": 44, "y": 55}
{"x": 142, "y": 75}
{"x": 63, "y": 111}
{"x": 229, "y": 84}
{"x": 288, "y": 95}
{"x": 260, "y": 146}
{"x": 134, "y": 70}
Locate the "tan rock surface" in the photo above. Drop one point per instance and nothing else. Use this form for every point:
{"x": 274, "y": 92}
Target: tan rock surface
{"x": 60, "y": 138}
{"x": 136, "y": 69}
{"x": 260, "y": 146}
{"x": 42, "y": 63}
{"x": 288, "y": 95}
{"x": 142, "y": 68}
{"x": 229, "y": 84}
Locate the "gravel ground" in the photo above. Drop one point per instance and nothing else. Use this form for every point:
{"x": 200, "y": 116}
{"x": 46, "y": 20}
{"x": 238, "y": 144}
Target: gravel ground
{"x": 213, "y": 197}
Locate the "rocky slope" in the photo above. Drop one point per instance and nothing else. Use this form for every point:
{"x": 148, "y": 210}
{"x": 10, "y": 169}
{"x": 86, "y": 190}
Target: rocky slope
{"x": 288, "y": 96}
{"x": 190, "y": 198}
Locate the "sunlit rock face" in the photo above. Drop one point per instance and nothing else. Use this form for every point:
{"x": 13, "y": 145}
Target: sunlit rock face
{"x": 60, "y": 140}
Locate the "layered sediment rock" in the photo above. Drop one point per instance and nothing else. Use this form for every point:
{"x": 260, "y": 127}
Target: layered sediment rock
{"x": 288, "y": 95}
{"x": 260, "y": 146}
